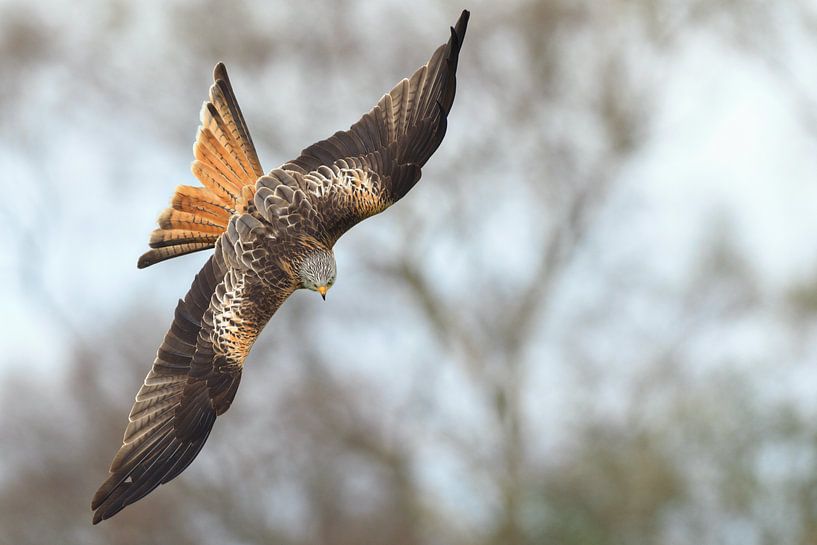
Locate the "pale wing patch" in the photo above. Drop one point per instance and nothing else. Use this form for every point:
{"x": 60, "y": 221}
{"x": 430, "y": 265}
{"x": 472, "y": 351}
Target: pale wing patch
{"x": 350, "y": 185}
{"x": 235, "y": 322}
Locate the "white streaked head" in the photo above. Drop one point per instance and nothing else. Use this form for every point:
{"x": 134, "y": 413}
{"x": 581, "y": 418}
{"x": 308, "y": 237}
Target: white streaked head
{"x": 318, "y": 271}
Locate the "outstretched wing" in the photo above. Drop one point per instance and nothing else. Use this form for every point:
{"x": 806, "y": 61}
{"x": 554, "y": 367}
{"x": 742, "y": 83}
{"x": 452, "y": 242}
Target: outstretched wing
{"x": 194, "y": 377}
{"x": 357, "y": 173}
{"x": 225, "y": 163}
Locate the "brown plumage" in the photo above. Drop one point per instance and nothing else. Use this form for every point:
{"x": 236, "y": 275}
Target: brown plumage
{"x": 272, "y": 234}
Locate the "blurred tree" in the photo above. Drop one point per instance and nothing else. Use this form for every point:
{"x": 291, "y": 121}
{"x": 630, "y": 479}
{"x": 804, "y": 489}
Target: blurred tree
{"x": 437, "y": 425}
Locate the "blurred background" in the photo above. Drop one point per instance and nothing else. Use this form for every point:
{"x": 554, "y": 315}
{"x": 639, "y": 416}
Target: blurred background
{"x": 594, "y": 321}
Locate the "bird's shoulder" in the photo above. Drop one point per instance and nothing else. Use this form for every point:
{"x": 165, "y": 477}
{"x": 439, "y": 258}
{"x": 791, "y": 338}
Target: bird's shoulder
{"x": 323, "y": 202}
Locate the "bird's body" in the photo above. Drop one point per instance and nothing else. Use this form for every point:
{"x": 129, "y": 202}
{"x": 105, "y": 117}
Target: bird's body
{"x": 271, "y": 234}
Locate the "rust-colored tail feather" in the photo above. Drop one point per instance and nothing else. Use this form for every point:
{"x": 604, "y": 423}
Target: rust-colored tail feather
{"x": 226, "y": 163}
{"x": 177, "y": 219}
{"x": 201, "y": 202}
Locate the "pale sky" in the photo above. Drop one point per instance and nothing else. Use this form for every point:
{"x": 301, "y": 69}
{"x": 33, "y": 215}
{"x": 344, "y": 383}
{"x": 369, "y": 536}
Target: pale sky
{"x": 727, "y": 140}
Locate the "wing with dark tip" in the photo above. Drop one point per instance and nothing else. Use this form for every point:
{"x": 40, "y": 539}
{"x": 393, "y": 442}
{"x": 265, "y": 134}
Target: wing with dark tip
{"x": 378, "y": 160}
{"x": 194, "y": 377}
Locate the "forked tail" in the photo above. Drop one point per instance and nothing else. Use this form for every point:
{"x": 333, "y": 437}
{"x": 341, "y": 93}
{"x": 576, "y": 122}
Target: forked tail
{"x": 226, "y": 163}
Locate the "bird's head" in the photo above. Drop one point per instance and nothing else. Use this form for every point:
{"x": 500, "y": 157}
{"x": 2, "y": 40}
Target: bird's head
{"x": 318, "y": 271}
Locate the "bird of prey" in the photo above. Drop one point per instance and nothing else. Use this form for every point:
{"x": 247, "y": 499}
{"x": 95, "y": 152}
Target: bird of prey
{"x": 272, "y": 234}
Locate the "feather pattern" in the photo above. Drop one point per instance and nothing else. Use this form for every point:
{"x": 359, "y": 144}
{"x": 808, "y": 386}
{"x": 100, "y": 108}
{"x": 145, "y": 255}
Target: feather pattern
{"x": 263, "y": 229}
{"x": 193, "y": 379}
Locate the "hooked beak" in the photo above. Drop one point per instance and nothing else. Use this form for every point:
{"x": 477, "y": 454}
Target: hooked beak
{"x": 322, "y": 290}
